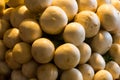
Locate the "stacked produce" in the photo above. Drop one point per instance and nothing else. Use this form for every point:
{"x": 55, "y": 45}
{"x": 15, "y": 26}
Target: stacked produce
{"x": 59, "y": 40}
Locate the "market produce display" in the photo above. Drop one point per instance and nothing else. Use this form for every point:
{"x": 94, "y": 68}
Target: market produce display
{"x": 59, "y": 39}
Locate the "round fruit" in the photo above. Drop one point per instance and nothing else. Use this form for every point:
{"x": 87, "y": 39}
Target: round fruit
{"x": 115, "y": 52}
{"x": 103, "y": 75}
{"x": 11, "y": 37}
{"x": 10, "y": 60}
{"x": 37, "y": 6}
{"x": 55, "y": 18}
{"x": 87, "y": 5}
{"x": 97, "y": 62}
{"x": 113, "y": 68}
{"x": 29, "y": 30}
{"x": 71, "y": 74}
{"x": 17, "y": 75}
{"x": 43, "y": 50}
{"x": 109, "y": 17}
{"x": 90, "y": 22}
{"x": 4, "y": 69}
{"x": 47, "y": 72}
{"x": 29, "y": 69}
{"x": 85, "y": 52}
{"x": 102, "y": 42}
{"x": 18, "y": 14}
{"x": 6, "y": 14}
{"x": 87, "y": 71}
{"x": 22, "y": 52}
{"x": 69, "y": 6}
{"x": 74, "y": 33}
{"x": 67, "y": 56}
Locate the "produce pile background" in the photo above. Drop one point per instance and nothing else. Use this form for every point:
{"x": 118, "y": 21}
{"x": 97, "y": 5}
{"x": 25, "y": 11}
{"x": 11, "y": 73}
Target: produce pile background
{"x": 59, "y": 39}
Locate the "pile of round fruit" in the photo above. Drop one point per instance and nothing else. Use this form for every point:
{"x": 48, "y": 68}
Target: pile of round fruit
{"x": 59, "y": 40}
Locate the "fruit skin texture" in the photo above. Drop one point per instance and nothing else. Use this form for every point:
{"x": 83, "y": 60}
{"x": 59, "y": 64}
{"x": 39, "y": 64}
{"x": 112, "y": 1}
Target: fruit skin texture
{"x": 30, "y": 69}
{"x": 11, "y": 37}
{"x": 102, "y": 42}
{"x": 4, "y": 26}
{"x": 103, "y": 75}
{"x": 116, "y": 38}
{"x": 74, "y": 33}
{"x": 69, "y": 6}
{"x": 2, "y": 7}
{"x": 87, "y": 71}
{"x": 6, "y": 14}
{"x": 113, "y": 68}
{"x": 37, "y": 6}
{"x": 22, "y": 52}
{"x": 3, "y": 49}
{"x": 87, "y": 5}
{"x": 100, "y": 2}
{"x": 10, "y": 60}
{"x": 90, "y": 22}
{"x": 29, "y": 30}
{"x": 19, "y": 14}
{"x": 55, "y": 18}
{"x": 97, "y": 61}
{"x": 71, "y": 74}
{"x": 116, "y": 4}
{"x": 67, "y": 56}
{"x": 115, "y": 52}
{"x": 4, "y": 69}
{"x": 43, "y": 50}
{"x": 14, "y": 3}
{"x": 17, "y": 75}
{"x": 85, "y": 52}
{"x": 47, "y": 72}
{"x": 109, "y": 17}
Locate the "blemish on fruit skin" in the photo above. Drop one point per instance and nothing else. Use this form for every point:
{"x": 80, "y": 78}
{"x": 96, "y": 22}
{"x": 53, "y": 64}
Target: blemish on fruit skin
{"x": 53, "y": 18}
{"x": 67, "y": 60}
